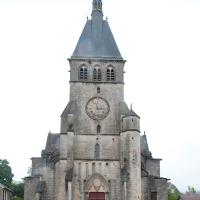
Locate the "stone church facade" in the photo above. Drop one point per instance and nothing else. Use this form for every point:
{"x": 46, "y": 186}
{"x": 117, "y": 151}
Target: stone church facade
{"x": 99, "y": 153}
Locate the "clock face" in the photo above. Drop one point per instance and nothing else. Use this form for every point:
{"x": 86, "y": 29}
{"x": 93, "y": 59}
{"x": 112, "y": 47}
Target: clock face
{"x": 97, "y": 108}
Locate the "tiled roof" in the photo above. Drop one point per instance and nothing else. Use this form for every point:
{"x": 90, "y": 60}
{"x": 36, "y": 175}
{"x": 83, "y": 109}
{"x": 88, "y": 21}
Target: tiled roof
{"x": 191, "y": 197}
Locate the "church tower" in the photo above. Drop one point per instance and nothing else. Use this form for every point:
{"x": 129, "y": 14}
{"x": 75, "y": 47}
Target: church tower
{"x": 99, "y": 153}
{"x": 95, "y": 117}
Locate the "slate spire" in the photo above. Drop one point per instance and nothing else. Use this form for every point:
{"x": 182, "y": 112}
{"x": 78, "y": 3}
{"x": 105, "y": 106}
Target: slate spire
{"x": 96, "y": 40}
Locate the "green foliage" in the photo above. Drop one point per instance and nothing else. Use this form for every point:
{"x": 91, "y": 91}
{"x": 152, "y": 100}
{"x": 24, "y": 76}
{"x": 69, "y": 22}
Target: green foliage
{"x": 17, "y": 198}
{"x": 6, "y": 175}
{"x": 191, "y": 190}
{"x": 173, "y": 195}
{"x": 6, "y": 178}
{"x": 18, "y": 190}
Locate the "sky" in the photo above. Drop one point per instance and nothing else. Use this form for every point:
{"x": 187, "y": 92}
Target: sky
{"x": 160, "y": 39}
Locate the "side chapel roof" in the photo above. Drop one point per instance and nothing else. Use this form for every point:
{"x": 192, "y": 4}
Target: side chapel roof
{"x": 144, "y": 146}
{"x": 53, "y": 142}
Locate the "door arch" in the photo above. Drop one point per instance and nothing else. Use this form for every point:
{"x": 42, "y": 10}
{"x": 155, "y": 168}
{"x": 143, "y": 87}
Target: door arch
{"x": 96, "y": 188}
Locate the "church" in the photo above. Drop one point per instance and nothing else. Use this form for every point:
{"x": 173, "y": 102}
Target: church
{"x": 99, "y": 153}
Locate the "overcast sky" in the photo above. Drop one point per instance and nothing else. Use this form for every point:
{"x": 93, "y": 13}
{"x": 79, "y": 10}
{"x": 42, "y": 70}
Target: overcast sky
{"x": 160, "y": 39}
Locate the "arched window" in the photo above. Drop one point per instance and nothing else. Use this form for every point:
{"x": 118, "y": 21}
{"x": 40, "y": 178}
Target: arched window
{"x": 97, "y": 151}
{"x": 83, "y": 74}
{"x": 97, "y": 74}
{"x": 110, "y": 74}
{"x": 98, "y": 129}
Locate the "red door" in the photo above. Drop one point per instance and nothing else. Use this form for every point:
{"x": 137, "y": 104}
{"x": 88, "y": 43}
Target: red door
{"x": 96, "y": 196}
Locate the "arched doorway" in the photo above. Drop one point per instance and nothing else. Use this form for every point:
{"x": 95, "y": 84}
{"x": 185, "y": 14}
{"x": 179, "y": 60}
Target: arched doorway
{"x": 96, "y": 188}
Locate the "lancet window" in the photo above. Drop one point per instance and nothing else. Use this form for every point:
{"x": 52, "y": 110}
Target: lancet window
{"x": 97, "y": 151}
{"x": 98, "y": 129}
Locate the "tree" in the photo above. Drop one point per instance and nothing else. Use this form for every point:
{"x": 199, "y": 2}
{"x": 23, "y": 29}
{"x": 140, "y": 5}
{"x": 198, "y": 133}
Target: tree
{"x": 18, "y": 190}
{"x": 6, "y": 178}
{"x": 191, "y": 190}
{"x": 6, "y": 174}
{"x": 173, "y": 194}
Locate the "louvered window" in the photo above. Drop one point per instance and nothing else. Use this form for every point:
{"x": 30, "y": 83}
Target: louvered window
{"x": 97, "y": 74}
{"x": 110, "y": 74}
{"x": 83, "y": 74}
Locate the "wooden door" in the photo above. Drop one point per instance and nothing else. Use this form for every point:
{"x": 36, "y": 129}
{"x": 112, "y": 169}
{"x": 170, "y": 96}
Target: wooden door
{"x": 96, "y": 196}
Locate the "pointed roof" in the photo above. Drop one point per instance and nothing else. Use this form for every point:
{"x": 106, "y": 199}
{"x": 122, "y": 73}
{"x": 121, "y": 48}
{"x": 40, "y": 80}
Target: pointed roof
{"x": 70, "y": 109}
{"x": 97, "y": 40}
{"x": 144, "y": 146}
{"x": 131, "y": 113}
{"x": 53, "y": 142}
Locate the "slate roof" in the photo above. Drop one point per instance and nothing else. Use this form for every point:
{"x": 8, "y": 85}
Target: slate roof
{"x": 123, "y": 108}
{"x": 96, "y": 40}
{"x": 144, "y": 146}
{"x": 190, "y": 197}
{"x": 70, "y": 109}
{"x": 53, "y": 142}
{"x": 4, "y": 187}
{"x": 132, "y": 113}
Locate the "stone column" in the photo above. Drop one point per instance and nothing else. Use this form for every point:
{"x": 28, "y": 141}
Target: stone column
{"x": 134, "y": 166}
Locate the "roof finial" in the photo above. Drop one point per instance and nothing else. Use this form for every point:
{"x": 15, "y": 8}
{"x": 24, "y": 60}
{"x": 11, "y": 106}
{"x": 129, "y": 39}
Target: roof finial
{"x": 97, "y": 5}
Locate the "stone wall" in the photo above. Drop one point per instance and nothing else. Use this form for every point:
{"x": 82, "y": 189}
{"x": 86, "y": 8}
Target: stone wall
{"x": 84, "y": 147}
{"x": 162, "y": 189}
{"x": 90, "y": 64}
{"x": 153, "y": 167}
{"x": 30, "y": 188}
